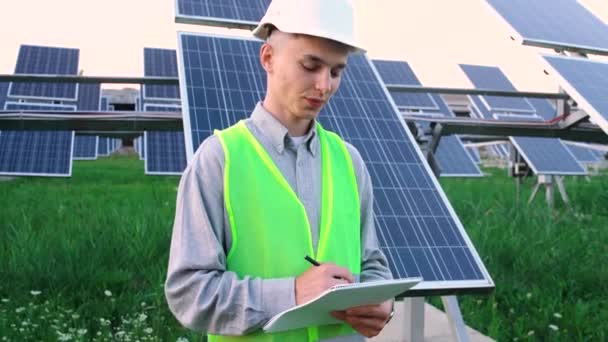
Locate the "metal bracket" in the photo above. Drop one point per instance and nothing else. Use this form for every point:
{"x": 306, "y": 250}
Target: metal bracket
{"x": 432, "y": 148}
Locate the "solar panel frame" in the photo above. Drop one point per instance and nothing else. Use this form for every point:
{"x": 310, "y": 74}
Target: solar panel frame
{"x": 599, "y": 115}
{"x": 103, "y": 147}
{"x": 584, "y": 155}
{"x": 552, "y": 22}
{"x": 81, "y": 153}
{"x": 483, "y": 283}
{"x": 157, "y": 107}
{"x": 23, "y": 90}
{"x": 28, "y": 152}
{"x": 191, "y": 18}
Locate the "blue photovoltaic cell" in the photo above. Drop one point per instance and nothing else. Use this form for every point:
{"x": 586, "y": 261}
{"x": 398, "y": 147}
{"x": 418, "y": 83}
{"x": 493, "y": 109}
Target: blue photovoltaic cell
{"x": 165, "y": 153}
{"x": 400, "y": 73}
{"x": 3, "y": 93}
{"x": 85, "y": 147}
{"x": 453, "y": 159}
{"x": 484, "y": 77}
{"x": 103, "y": 146}
{"x": 583, "y": 154}
{"x": 36, "y": 153}
{"x": 42, "y": 60}
{"x": 37, "y": 106}
{"x": 586, "y": 81}
{"x": 417, "y": 228}
{"x": 227, "y": 11}
{"x": 160, "y": 63}
{"x": 556, "y": 23}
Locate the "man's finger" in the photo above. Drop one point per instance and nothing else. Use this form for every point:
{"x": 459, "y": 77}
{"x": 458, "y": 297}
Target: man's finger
{"x": 340, "y": 272}
{"x": 372, "y": 311}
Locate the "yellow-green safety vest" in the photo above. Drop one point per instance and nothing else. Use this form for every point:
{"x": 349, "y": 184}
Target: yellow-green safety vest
{"x": 270, "y": 228}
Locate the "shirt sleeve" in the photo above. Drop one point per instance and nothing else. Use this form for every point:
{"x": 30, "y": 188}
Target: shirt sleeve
{"x": 200, "y": 292}
{"x": 374, "y": 265}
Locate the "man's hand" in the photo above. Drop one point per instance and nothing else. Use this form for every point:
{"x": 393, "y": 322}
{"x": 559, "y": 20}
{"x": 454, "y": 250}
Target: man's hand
{"x": 317, "y": 279}
{"x": 368, "y": 320}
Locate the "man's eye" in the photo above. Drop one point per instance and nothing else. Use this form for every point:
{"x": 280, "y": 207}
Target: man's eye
{"x": 308, "y": 66}
{"x": 336, "y": 73}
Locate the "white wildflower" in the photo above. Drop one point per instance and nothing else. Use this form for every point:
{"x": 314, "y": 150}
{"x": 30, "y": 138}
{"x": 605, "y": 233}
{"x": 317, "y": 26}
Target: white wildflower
{"x": 531, "y": 332}
{"x": 142, "y": 317}
{"x": 20, "y": 309}
{"x": 553, "y": 327}
{"x": 75, "y": 316}
{"x": 107, "y": 293}
{"x": 81, "y": 332}
{"x": 181, "y": 339}
{"x": 64, "y": 337}
{"x": 529, "y": 295}
{"x": 557, "y": 315}
{"x": 5, "y": 300}
{"x": 148, "y": 330}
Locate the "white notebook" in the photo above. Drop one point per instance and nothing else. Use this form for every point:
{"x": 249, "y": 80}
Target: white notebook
{"x": 339, "y": 297}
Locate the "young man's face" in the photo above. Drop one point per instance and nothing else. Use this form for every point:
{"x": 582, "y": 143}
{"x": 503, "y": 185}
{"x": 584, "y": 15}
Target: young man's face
{"x": 304, "y": 73}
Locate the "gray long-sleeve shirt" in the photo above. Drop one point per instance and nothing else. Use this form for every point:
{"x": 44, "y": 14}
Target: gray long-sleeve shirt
{"x": 201, "y": 293}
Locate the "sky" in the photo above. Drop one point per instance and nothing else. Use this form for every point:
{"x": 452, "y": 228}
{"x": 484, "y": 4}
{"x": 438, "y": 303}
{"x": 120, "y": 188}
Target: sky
{"x": 434, "y": 36}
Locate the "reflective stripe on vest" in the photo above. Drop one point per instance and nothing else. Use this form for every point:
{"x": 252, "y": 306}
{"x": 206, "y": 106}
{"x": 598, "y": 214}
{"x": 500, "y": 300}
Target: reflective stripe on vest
{"x": 270, "y": 227}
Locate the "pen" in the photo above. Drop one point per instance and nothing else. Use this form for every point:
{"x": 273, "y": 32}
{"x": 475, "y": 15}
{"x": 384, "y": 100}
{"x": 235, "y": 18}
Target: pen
{"x": 316, "y": 263}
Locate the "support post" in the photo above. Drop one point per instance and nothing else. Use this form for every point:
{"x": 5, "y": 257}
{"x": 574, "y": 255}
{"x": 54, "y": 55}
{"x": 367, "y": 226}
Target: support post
{"x": 459, "y": 329}
{"x": 413, "y": 330}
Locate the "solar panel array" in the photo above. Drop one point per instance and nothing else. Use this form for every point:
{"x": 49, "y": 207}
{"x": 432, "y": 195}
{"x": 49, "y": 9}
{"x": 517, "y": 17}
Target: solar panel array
{"x": 85, "y": 147}
{"x": 222, "y": 12}
{"x": 103, "y": 147}
{"x": 103, "y": 104}
{"x": 546, "y": 156}
{"x": 42, "y": 60}
{"x": 554, "y": 23}
{"x": 451, "y": 155}
{"x": 583, "y": 154}
{"x": 222, "y": 80}
{"x": 586, "y": 81}
{"x": 160, "y": 63}
{"x": 36, "y": 153}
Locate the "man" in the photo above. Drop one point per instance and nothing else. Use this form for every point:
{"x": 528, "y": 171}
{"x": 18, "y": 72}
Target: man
{"x": 261, "y": 195}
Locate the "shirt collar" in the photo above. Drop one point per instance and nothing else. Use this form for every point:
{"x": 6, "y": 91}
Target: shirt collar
{"x": 277, "y": 134}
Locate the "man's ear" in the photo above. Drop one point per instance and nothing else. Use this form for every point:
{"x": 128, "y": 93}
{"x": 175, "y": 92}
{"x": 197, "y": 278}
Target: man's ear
{"x": 266, "y": 57}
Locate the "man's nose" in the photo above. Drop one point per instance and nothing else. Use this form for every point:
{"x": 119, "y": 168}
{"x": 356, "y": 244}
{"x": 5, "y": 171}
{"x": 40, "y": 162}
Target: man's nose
{"x": 323, "y": 82}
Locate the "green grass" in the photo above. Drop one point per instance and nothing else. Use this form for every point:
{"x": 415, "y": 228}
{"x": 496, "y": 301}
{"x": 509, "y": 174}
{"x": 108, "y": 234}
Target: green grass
{"x": 550, "y": 268}
{"x": 96, "y": 246}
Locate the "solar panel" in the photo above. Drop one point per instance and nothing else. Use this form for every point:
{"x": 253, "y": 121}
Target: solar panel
{"x": 586, "y": 81}
{"x": 103, "y": 147}
{"x": 400, "y": 73}
{"x": 419, "y": 232}
{"x": 103, "y": 104}
{"x": 484, "y": 77}
{"x": 543, "y": 108}
{"x": 88, "y": 97}
{"x": 3, "y": 93}
{"x": 36, "y": 153}
{"x": 42, "y": 60}
{"x": 453, "y": 159}
{"x": 160, "y": 63}
{"x": 85, "y": 147}
{"x": 583, "y": 154}
{"x": 165, "y": 153}
{"x": 38, "y": 106}
{"x": 554, "y": 23}
{"x": 240, "y": 13}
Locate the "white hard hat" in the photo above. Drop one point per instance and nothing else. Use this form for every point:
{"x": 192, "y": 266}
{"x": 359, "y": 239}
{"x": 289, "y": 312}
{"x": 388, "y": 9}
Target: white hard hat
{"x": 331, "y": 19}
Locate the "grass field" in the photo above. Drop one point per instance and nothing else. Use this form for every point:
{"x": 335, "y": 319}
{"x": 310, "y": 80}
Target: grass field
{"x": 84, "y": 258}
